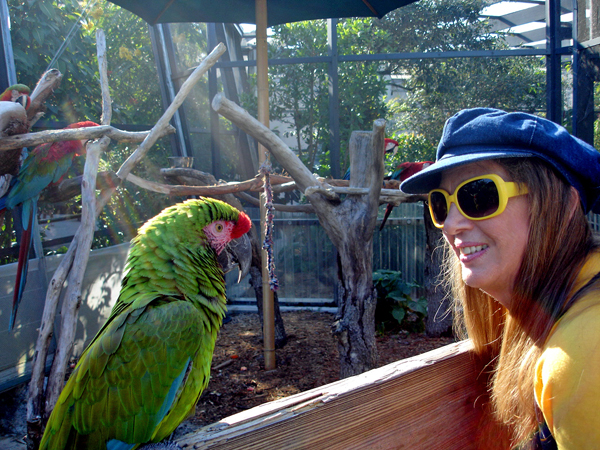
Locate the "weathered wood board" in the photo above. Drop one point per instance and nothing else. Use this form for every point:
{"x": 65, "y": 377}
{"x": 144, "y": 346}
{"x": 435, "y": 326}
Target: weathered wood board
{"x": 424, "y": 402}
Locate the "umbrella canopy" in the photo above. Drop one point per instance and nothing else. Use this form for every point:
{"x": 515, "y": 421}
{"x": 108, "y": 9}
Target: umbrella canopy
{"x": 243, "y": 11}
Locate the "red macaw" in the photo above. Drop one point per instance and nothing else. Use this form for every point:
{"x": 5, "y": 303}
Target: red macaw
{"x": 390, "y": 146}
{"x": 17, "y": 92}
{"x": 45, "y": 165}
{"x": 402, "y": 172}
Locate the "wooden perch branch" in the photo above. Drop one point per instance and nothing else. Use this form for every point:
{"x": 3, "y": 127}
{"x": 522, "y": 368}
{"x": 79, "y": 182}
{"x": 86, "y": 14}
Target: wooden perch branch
{"x": 163, "y": 122}
{"x": 46, "y": 86}
{"x": 256, "y": 185}
{"x": 72, "y": 300}
{"x": 103, "y": 70}
{"x": 299, "y": 172}
{"x": 89, "y": 133}
{"x": 304, "y": 208}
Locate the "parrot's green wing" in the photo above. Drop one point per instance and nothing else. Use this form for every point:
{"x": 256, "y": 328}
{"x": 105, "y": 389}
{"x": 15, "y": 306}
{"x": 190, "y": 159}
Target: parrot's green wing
{"x": 137, "y": 380}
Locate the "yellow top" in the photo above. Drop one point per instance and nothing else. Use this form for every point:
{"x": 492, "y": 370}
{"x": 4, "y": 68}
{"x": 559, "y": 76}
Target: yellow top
{"x": 567, "y": 378}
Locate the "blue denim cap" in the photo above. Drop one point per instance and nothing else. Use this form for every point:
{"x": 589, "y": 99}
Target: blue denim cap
{"x": 483, "y": 133}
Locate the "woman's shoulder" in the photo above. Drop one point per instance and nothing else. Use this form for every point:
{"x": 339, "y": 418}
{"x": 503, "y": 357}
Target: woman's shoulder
{"x": 567, "y": 376}
{"x": 574, "y": 344}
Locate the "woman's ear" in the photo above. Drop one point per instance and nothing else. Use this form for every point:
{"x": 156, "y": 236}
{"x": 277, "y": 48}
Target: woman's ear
{"x": 573, "y": 202}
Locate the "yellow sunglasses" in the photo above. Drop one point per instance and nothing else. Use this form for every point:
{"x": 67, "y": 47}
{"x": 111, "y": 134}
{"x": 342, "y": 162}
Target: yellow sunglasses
{"x": 478, "y": 198}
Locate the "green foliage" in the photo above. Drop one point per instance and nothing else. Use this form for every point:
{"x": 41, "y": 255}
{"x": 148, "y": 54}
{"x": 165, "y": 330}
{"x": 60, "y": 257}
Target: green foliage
{"x": 434, "y": 89}
{"x": 299, "y": 92}
{"x": 45, "y": 32}
{"x": 396, "y": 308}
{"x": 62, "y": 34}
{"x": 438, "y": 88}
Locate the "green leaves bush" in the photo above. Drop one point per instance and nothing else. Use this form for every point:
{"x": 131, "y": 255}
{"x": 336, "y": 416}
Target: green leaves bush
{"x": 396, "y": 308}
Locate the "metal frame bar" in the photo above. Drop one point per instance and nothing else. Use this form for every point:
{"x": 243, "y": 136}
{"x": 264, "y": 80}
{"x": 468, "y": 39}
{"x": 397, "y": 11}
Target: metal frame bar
{"x": 553, "y": 80}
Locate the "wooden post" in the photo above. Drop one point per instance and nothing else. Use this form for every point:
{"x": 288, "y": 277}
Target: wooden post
{"x": 262, "y": 81}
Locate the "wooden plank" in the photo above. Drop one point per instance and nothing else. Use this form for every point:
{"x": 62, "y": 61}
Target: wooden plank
{"x": 424, "y": 402}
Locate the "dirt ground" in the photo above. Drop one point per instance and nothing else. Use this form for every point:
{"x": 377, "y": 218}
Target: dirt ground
{"x": 310, "y": 359}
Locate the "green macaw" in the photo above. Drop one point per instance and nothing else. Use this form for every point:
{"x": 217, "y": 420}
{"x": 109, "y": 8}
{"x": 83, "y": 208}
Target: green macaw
{"x": 143, "y": 373}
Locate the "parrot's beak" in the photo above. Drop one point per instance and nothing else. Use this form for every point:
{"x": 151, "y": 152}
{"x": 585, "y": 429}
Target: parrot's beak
{"x": 237, "y": 253}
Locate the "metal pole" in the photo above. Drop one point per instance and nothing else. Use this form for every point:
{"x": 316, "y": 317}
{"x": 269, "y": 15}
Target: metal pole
{"x": 334, "y": 104}
{"x": 553, "y": 82}
{"x": 262, "y": 82}
{"x": 8, "y": 73}
{"x": 215, "y": 153}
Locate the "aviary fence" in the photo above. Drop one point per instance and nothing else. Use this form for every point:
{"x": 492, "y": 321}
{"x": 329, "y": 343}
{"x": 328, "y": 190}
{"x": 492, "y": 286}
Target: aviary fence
{"x": 306, "y": 261}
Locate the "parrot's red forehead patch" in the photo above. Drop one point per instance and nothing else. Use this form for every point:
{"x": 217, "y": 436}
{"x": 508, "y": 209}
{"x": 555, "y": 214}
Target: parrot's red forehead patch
{"x": 242, "y": 226}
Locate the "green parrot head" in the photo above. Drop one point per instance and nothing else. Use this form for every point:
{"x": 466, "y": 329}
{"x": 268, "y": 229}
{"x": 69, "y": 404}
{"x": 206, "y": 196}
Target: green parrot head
{"x": 187, "y": 248}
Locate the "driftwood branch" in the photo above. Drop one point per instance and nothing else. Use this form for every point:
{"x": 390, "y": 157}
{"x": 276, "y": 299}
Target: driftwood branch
{"x": 72, "y": 300}
{"x": 103, "y": 70}
{"x": 243, "y": 120}
{"x": 45, "y": 86}
{"x": 305, "y": 208}
{"x": 73, "y": 265}
{"x": 256, "y": 185}
{"x": 88, "y": 133}
{"x": 163, "y": 122}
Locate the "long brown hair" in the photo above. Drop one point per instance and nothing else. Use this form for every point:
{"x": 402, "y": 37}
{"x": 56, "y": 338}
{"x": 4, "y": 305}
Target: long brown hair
{"x": 512, "y": 341}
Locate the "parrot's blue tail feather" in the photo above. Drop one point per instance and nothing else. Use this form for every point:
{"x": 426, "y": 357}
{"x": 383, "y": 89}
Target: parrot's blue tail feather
{"x": 115, "y": 444}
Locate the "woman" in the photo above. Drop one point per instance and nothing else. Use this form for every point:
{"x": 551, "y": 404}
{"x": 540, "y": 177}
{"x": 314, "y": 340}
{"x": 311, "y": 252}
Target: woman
{"x": 510, "y": 192}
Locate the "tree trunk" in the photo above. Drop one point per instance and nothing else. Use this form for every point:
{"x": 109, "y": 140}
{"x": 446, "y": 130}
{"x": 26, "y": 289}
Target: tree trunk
{"x": 354, "y": 324}
{"x": 355, "y": 220}
{"x": 439, "y": 315}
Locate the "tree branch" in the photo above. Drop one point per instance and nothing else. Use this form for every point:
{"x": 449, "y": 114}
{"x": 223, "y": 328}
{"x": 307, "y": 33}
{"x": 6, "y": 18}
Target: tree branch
{"x": 103, "y": 71}
{"x": 48, "y": 82}
{"x": 163, "y": 122}
{"x": 72, "y": 300}
{"x": 87, "y": 133}
{"x": 299, "y": 172}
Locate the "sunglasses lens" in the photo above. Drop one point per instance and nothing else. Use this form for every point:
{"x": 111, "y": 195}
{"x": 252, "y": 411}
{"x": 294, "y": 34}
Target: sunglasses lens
{"x": 479, "y": 198}
{"x": 439, "y": 207}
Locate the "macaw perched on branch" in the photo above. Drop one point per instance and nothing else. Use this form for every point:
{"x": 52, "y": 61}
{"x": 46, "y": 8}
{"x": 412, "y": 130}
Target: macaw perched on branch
{"x": 45, "y": 165}
{"x": 143, "y": 373}
{"x": 11, "y": 93}
{"x": 17, "y": 92}
{"x": 390, "y": 146}
{"x": 402, "y": 172}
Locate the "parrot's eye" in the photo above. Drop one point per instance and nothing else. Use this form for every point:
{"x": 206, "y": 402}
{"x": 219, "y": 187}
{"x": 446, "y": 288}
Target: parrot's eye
{"x": 219, "y": 227}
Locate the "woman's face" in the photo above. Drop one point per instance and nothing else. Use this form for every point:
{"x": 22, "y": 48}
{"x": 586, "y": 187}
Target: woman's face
{"x": 491, "y": 250}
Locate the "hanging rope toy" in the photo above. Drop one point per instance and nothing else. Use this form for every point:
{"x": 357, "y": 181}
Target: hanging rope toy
{"x": 265, "y": 170}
